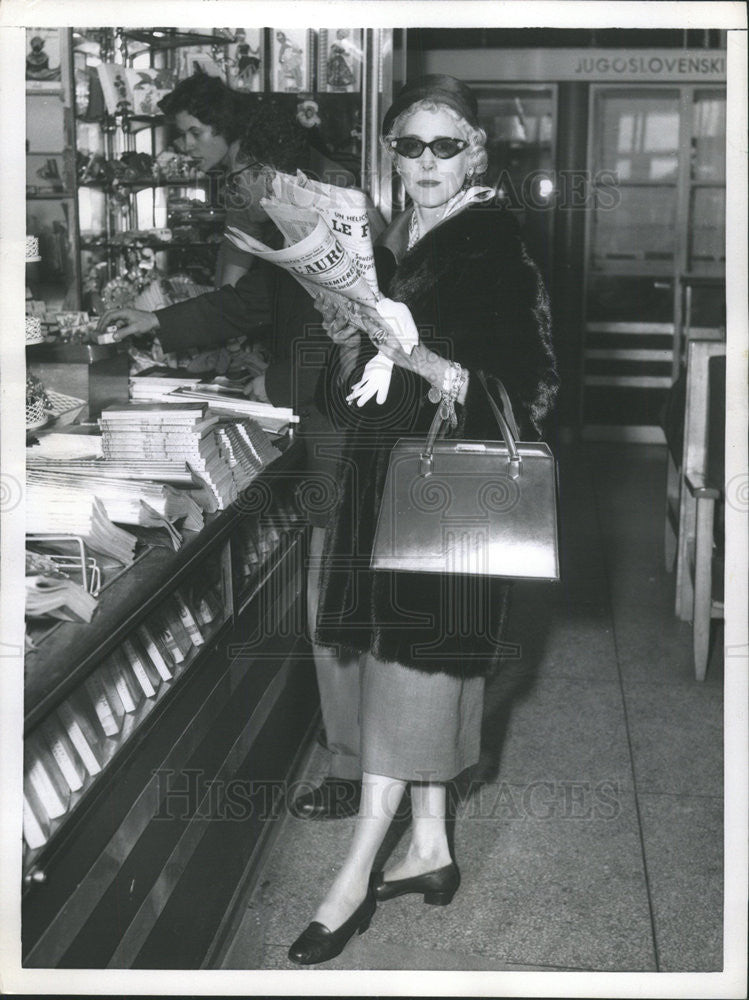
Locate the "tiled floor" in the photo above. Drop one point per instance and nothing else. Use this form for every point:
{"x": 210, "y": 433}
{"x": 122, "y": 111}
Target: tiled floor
{"x": 594, "y": 841}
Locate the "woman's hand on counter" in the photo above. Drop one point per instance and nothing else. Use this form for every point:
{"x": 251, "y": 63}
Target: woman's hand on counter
{"x": 129, "y": 323}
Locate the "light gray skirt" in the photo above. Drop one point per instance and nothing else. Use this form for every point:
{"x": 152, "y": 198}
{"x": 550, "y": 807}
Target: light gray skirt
{"x": 418, "y": 726}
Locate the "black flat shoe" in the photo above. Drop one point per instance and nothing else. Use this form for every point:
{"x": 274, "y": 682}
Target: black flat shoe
{"x": 438, "y": 887}
{"x": 318, "y": 944}
{"x": 335, "y": 798}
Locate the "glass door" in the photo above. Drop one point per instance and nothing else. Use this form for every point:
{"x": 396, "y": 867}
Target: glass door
{"x": 519, "y": 124}
{"x": 657, "y": 163}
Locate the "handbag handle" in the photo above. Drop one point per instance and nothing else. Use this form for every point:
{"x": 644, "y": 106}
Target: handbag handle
{"x": 507, "y": 426}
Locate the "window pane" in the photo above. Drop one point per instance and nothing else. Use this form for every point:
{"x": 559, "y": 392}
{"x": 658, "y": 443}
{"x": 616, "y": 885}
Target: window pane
{"x": 707, "y": 230}
{"x": 638, "y": 134}
{"x": 629, "y": 300}
{"x": 709, "y": 136}
{"x": 640, "y": 226}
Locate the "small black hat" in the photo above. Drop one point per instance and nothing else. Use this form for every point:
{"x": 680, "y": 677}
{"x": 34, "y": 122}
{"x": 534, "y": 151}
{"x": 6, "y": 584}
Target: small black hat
{"x": 436, "y": 87}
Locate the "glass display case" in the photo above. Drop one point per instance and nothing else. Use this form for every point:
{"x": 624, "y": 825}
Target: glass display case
{"x": 195, "y": 663}
{"x": 51, "y": 205}
{"x": 134, "y": 198}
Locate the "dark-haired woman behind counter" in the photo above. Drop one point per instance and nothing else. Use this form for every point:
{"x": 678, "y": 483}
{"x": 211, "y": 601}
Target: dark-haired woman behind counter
{"x": 247, "y": 138}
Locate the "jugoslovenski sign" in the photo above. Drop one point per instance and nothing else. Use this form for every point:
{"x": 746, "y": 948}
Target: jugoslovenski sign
{"x": 585, "y": 65}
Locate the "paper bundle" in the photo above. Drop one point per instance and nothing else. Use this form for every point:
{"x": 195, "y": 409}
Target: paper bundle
{"x": 273, "y": 419}
{"x": 247, "y": 450}
{"x": 154, "y": 387}
{"x": 50, "y": 512}
{"x": 125, "y": 501}
{"x": 328, "y": 231}
{"x": 51, "y": 593}
{"x": 156, "y": 434}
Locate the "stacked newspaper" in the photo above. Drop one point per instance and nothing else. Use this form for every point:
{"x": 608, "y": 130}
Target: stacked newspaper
{"x": 154, "y": 386}
{"x": 130, "y": 469}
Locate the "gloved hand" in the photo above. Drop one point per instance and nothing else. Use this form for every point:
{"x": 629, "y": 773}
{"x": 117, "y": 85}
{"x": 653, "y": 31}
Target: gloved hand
{"x": 398, "y": 317}
{"x": 391, "y": 327}
{"x": 375, "y": 380}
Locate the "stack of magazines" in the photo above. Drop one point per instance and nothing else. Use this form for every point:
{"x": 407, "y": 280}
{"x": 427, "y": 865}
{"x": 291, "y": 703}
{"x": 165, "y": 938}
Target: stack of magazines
{"x": 232, "y": 403}
{"x": 49, "y": 512}
{"x": 246, "y": 448}
{"x": 143, "y": 502}
{"x": 224, "y": 454}
{"x": 50, "y": 593}
{"x": 168, "y": 435}
{"x": 154, "y": 385}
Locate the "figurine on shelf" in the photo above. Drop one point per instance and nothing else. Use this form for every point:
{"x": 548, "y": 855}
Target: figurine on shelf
{"x": 340, "y": 61}
{"x": 38, "y": 61}
{"x": 149, "y": 88}
{"x": 246, "y": 63}
{"x": 170, "y": 165}
{"x": 50, "y": 172}
{"x": 290, "y": 59}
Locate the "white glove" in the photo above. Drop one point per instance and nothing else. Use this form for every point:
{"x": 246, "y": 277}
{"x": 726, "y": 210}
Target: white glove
{"x": 399, "y": 317}
{"x": 375, "y": 380}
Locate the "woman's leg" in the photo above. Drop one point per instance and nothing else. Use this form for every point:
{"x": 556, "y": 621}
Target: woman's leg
{"x": 379, "y": 802}
{"x": 428, "y": 849}
{"x": 337, "y": 680}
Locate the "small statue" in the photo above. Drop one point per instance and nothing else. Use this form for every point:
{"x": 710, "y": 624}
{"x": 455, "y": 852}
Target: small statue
{"x": 37, "y": 62}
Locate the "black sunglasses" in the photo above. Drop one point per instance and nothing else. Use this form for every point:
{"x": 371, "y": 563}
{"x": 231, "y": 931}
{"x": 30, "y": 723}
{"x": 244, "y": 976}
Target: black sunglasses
{"x": 443, "y": 147}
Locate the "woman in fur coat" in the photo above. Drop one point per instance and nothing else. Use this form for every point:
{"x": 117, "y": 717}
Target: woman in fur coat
{"x": 459, "y": 282}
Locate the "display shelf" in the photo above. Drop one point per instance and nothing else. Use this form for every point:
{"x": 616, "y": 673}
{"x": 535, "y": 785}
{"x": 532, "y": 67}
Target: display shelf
{"x": 170, "y": 39}
{"x": 111, "y": 886}
{"x": 49, "y": 196}
{"x": 145, "y": 182}
{"x": 109, "y": 747}
{"x": 151, "y": 244}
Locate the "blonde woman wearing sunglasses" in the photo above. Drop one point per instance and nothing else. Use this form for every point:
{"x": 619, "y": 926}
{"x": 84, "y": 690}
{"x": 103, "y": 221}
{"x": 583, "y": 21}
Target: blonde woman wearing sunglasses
{"x": 459, "y": 283}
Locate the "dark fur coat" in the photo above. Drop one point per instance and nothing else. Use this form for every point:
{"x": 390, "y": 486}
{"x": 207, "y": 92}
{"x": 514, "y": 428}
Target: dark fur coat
{"x": 476, "y": 298}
